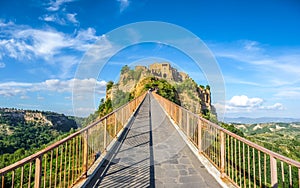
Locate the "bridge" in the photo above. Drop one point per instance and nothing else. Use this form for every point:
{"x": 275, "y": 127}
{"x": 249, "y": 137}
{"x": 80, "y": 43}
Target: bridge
{"x": 152, "y": 142}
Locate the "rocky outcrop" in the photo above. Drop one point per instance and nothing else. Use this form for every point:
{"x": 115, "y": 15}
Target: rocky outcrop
{"x": 10, "y": 117}
{"x": 37, "y": 117}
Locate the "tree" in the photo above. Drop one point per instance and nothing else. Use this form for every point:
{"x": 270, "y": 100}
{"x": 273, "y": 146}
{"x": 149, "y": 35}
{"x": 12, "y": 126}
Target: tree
{"x": 109, "y": 85}
{"x": 125, "y": 69}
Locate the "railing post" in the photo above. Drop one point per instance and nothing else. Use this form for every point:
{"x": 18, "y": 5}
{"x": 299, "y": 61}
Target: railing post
{"x": 122, "y": 117}
{"x": 105, "y": 126}
{"x": 274, "y": 181}
{"x": 116, "y": 124}
{"x": 171, "y": 112}
{"x": 179, "y": 117}
{"x": 38, "y": 172}
{"x": 187, "y": 125}
{"x": 223, "y": 144}
{"x": 199, "y": 135}
{"x": 299, "y": 176}
{"x": 85, "y": 153}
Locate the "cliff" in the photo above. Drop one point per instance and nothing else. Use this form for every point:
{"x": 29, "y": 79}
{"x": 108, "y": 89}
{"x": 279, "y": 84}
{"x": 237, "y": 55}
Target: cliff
{"x": 10, "y": 118}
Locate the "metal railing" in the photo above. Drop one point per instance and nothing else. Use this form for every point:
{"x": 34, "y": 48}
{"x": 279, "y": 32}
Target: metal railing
{"x": 65, "y": 162}
{"x": 239, "y": 160}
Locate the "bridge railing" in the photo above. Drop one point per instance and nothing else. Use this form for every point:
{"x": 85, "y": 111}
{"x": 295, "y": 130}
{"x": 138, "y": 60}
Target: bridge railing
{"x": 238, "y": 160}
{"x": 65, "y": 162}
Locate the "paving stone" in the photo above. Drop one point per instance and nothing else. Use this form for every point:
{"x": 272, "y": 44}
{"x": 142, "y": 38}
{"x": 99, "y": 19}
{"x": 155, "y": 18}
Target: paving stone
{"x": 183, "y": 172}
{"x": 192, "y": 171}
{"x": 181, "y": 166}
{"x": 172, "y": 173}
{"x": 166, "y": 180}
{"x": 189, "y": 179}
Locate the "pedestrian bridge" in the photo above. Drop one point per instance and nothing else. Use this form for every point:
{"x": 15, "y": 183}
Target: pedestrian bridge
{"x": 152, "y": 142}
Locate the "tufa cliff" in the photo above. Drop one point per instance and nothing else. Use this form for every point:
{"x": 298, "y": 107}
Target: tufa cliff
{"x": 168, "y": 81}
{"x": 10, "y": 117}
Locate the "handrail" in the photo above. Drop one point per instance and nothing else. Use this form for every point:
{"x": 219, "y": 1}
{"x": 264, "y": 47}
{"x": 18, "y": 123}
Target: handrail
{"x": 243, "y": 162}
{"x": 254, "y": 145}
{"x": 248, "y": 142}
{"x": 71, "y": 157}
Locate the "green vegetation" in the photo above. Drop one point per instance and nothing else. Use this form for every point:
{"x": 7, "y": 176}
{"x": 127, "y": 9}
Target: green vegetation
{"x": 231, "y": 128}
{"x": 121, "y": 98}
{"x": 125, "y": 69}
{"x": 20, "y": 136}
{"x": 282, "y": 138}
{"x": 130, "y": 74}
{"x": 187, "y": 85}
{"x": 105, "y": 107}
{"x": 163, "y": 88}
{"x": 109, "y": 85}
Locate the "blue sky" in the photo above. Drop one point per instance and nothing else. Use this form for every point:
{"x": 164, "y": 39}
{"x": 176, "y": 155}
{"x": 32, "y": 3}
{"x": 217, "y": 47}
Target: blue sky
{"x": 256, "y": 45}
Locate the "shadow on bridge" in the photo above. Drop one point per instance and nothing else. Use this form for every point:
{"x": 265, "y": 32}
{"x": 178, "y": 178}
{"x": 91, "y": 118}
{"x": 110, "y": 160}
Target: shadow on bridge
{"x": 129, "y": 163}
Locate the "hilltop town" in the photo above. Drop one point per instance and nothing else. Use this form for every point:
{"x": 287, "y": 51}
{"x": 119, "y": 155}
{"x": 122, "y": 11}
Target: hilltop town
{"x": 192, "y": 96}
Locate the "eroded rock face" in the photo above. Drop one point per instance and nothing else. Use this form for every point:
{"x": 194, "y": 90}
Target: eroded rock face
{"x": 37, "y": 117}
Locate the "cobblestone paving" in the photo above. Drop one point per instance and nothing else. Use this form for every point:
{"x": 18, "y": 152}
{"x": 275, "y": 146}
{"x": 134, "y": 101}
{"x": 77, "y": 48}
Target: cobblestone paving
{"x": 153, "y": 155}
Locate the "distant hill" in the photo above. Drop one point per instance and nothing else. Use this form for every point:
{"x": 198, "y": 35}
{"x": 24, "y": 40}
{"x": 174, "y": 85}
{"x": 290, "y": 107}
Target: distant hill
{"x": 29, "y": 129}
{"x": 283, "y": 138}
{"x": 247, "y": 120}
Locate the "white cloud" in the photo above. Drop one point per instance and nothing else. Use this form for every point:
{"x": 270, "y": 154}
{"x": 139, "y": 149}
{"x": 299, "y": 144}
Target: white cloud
{"x": 263, "y": 70}
{"x": 123, "y": 4}
{"x": 3, "y": 24}
{"x": 102, "y": 49}
{"x": 82, "y": 86}
{"x": 244, "y": 104}
{"x": 55, "y": 18}
{"x": 57, "y": 13}
{"x": 23, "y": 42}
{"x": 49, "y": 18}
{"x": 2, "y": 65}
{"x": 276, "y": 106}
{"x": 72, "y": 18}
{"x": 244, "y": 101}
{"x": 24, "y": 97}
{"x": 289, "y": 93}
{"x": 251, "y": 45}
{"x": 44, "y": 43}
{"x": 87, "y": 35}
{"x": 56, "y": 49}
{"x": 60, "y": 18}
{"x": 264, "y": 60}
{"x": 56, "y": 5}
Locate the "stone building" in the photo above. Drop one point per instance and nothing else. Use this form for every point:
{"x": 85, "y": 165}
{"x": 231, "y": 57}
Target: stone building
{"x": 166, "y": 71}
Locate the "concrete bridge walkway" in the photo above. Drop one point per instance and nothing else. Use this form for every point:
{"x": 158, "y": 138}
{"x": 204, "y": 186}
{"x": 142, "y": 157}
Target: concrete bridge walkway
{"x": 152, "y": 154}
